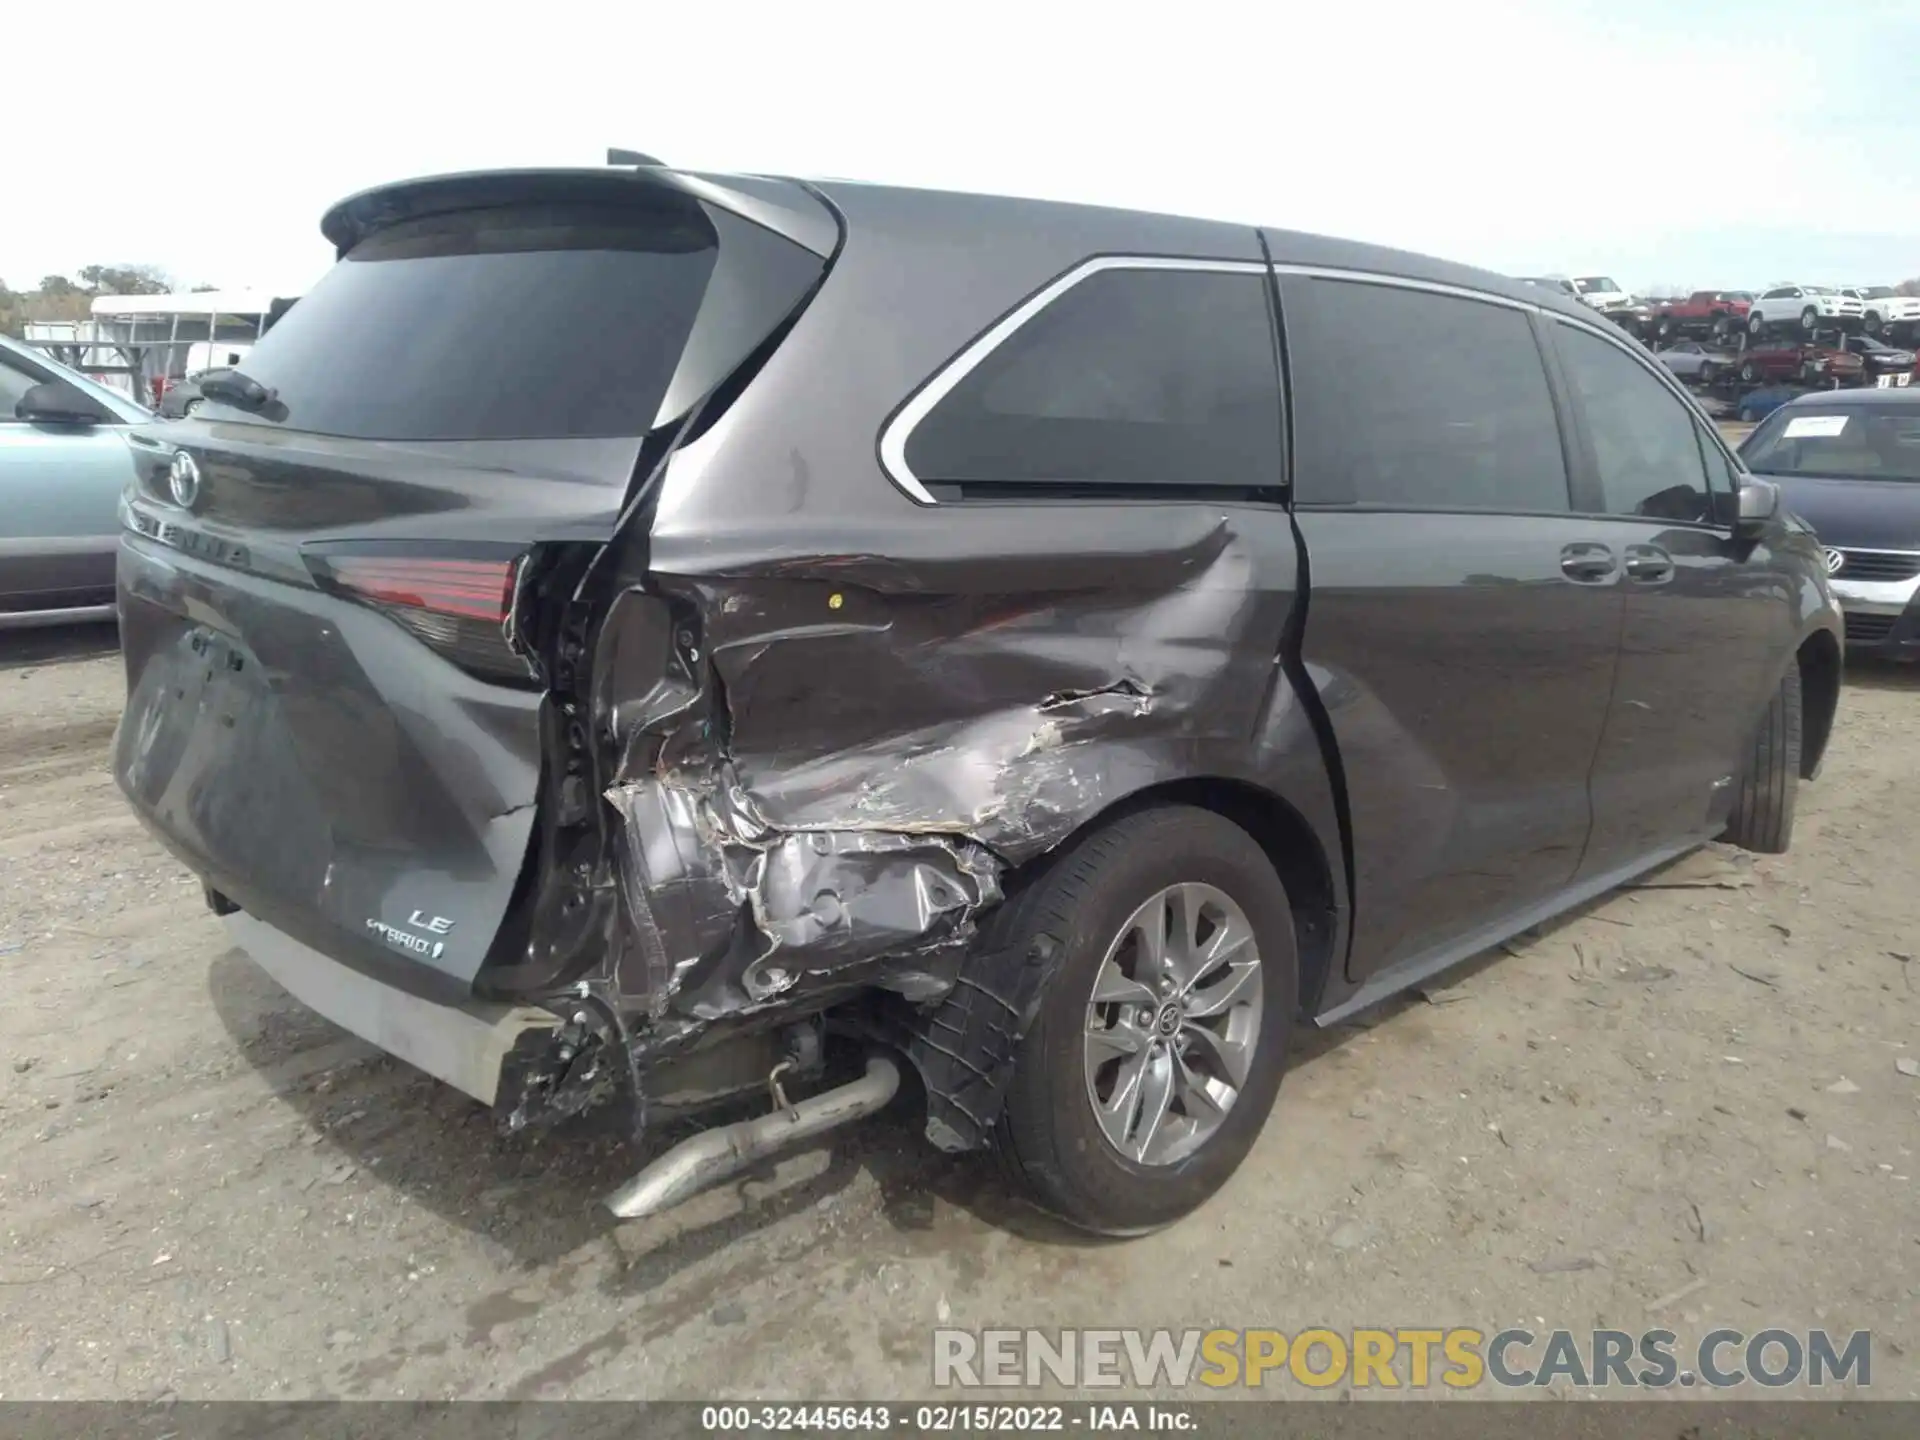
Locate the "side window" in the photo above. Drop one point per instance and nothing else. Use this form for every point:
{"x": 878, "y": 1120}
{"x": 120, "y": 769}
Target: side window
{"x": 14, "y": 383}
{"x": 1723, "y": 485}
{"x": 1131, "y": 378}
{"x": 1644, "y": 440}
{"x": 1413, "y": 400}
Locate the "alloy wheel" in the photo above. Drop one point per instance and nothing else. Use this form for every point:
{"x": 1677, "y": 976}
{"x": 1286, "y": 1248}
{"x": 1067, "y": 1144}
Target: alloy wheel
{"x": 1172, "y": 1023}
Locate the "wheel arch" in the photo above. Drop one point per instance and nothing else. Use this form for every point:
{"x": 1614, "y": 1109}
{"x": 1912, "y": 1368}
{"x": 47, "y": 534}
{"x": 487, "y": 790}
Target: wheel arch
{"x": 963, "y": 1048}
{"x": 1298, "y": 854}
{"x": 1819, "y": 659}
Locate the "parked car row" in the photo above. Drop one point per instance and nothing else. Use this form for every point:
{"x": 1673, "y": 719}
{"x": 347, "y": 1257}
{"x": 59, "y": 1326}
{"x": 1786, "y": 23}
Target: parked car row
{"x": 1829, "y": 359}
{"x": 1737, "y": 316}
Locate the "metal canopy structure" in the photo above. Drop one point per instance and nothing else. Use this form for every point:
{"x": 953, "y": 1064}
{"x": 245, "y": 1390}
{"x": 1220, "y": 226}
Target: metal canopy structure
{"x": 144, "y": 343}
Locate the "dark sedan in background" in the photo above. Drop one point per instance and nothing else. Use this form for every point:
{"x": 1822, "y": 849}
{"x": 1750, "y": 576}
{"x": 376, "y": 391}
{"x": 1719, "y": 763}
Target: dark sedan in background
{"x": 1848, "y": 463}
{"x": 1888, "y": 367}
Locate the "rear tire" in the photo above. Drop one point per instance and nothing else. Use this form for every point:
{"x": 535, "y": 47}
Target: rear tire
{"x": 1749, "y": 373}
{"x": 1762, "y": 818}
{"x": 1050, "y": 1137}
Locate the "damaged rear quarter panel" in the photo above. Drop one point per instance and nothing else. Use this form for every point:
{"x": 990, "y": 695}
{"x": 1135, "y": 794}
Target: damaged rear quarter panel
{"x": 879, "y": 707}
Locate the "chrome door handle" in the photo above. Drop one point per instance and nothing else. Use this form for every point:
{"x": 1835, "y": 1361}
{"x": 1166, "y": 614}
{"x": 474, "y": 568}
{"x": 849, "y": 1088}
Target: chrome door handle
{"x": 1648, "y": 564}
{"x": 1586, "y": 563}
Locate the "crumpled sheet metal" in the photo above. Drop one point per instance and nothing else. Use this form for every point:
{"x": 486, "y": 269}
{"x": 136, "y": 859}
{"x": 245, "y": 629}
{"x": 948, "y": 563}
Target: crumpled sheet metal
{"x": 850, "y": 896}
{"x": 1008, "y": 719}
{"x": 698, "y": 861}
{"x": 868, "y": 763}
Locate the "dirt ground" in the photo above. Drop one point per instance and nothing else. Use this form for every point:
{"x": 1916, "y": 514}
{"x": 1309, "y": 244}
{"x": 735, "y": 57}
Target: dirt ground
{"x": 1681, "y": 1107}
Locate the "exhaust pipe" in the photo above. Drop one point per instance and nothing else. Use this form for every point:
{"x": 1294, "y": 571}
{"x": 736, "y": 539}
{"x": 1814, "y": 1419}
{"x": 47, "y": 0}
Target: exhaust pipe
{"x": 711, "y": 1156}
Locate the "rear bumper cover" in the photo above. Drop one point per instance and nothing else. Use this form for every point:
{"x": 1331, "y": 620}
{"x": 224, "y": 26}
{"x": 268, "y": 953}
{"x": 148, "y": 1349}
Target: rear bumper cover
{"x": 465, "y": 1045}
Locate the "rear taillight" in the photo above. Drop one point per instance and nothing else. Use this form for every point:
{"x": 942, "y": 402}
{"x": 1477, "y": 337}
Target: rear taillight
{"x": 460, "y": 605}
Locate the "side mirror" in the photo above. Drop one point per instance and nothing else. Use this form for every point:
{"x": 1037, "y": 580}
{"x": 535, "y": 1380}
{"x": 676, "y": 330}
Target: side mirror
{"x": 60, "y": 402}
{"x": 1759, "y": 507}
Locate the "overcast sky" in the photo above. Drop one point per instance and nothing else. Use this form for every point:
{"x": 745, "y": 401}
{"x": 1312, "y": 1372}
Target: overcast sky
{"x": 1697, "y": 143}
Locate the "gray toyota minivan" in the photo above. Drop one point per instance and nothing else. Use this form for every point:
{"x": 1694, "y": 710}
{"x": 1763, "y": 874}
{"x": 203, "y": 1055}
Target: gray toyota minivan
{"x": 644, "y": 638}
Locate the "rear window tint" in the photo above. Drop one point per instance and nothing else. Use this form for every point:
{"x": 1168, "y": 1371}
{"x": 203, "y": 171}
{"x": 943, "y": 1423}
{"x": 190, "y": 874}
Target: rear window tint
{"x": 1132, "y": 378}
{"x": 537, "y": 322}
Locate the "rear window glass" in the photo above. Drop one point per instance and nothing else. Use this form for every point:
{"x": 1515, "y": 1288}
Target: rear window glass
{"x": 1848, "y": 442}
{"x": 536, "y": 322}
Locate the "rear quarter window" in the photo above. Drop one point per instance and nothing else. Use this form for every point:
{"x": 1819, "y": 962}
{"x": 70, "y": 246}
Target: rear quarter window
{"x": 1132, "y": 381}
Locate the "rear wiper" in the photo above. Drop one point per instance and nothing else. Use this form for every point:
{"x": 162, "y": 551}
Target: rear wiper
{"x": 232, "y": 386}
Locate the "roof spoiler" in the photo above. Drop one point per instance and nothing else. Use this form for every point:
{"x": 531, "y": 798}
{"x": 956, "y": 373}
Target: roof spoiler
{"x": 784, "y": 207}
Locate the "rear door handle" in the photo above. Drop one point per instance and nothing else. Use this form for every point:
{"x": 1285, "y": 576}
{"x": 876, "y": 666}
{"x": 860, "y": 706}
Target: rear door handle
{"x": 1649, "y": 564}
{"x": 1587, "y": 563}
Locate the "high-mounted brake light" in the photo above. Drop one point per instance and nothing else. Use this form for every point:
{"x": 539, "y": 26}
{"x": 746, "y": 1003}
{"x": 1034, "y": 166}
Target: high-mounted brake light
{"x": 461, "y": 606}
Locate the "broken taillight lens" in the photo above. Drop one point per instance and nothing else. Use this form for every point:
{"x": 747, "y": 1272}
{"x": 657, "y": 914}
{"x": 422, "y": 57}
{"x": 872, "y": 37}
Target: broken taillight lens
{"x": 459, "y": 605}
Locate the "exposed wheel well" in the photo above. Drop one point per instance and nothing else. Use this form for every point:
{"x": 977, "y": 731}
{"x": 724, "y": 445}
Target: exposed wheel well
{"x": 1292, "y": 848}
{"x": 1819, "y": 661}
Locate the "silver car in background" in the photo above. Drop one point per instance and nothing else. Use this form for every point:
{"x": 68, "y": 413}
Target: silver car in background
{"x": 1695, "y": 363}
{"x": 64, "y": 462}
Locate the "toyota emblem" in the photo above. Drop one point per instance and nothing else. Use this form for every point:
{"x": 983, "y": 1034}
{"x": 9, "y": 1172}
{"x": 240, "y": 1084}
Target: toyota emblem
{"x": 183, "y": 481}
{"x": 1835, "y": 559}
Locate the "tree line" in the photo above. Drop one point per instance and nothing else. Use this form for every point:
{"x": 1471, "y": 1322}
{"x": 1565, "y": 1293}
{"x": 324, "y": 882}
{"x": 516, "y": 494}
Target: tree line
{"x": 70, "y": 297}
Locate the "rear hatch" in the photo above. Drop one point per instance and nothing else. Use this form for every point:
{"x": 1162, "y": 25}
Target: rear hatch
{"x": 338, "y": 580}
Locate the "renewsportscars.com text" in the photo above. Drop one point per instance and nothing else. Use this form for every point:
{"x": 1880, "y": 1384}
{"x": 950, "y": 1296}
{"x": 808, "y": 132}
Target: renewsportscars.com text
{"x": 1457, "y": 1358}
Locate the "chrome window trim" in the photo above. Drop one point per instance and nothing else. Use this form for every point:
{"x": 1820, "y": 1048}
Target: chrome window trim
{"x": 1603, "y": 331}
{"x": 898, "y": 430}
{"x": 893, "y": 439}
{"x": 1408, "y": 282}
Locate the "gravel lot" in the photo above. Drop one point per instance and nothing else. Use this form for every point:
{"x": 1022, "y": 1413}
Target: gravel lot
{"x": 1682, "y": 1107}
